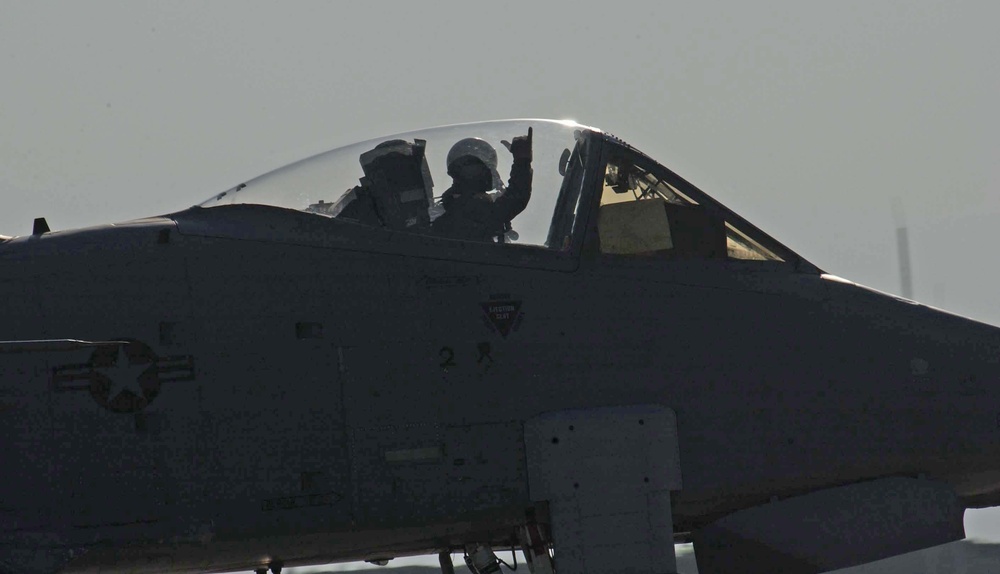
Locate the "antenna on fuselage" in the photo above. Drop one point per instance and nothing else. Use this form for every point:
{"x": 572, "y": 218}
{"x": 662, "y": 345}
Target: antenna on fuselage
{"x": 903, "y": 249}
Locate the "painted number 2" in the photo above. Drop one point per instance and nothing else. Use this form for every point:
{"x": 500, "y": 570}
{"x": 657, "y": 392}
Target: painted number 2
{"x": 483, "y": 356}
{"x": 447, "y": 355}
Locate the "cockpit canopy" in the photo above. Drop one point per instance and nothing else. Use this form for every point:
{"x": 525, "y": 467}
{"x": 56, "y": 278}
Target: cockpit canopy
{"x": 415, "y": 182}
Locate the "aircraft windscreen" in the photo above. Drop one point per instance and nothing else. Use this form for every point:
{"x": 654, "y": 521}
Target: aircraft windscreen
{"x": 489, "y": 181}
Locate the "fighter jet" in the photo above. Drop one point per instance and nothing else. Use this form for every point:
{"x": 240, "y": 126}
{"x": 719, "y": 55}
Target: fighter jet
{"x": 514, "y": 335}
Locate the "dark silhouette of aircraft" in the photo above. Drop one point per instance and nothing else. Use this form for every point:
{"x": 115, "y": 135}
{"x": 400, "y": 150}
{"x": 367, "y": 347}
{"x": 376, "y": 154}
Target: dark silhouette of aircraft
{"x": 592, "y": 360}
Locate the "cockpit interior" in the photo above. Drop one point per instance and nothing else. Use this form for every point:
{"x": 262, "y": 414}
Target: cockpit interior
{"x": 572, "y": 174}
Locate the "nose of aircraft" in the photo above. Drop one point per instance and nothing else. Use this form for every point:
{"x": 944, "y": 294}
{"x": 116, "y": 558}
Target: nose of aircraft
{"x": 971, "y": 369}
{"x": 951, "y": 382}
{"x": 932, "y": 377}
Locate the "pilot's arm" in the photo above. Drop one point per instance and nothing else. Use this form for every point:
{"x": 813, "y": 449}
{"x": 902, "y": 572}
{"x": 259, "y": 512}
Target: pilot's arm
{"x": 514, "y": 199}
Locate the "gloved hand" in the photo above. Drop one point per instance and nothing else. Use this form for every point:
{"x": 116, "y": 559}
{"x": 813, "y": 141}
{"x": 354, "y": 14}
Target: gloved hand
{"x": 520, "y": 148}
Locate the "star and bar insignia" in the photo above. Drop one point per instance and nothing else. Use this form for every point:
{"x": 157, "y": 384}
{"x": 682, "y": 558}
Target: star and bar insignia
{"x": 123, "y": 378}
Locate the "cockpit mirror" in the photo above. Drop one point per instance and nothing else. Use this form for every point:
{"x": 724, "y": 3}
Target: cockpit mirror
{"x": 564, "y": 161}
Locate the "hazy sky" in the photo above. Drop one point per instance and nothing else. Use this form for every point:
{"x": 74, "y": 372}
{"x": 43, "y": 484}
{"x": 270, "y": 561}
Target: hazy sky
{"x": 806, "y": 118}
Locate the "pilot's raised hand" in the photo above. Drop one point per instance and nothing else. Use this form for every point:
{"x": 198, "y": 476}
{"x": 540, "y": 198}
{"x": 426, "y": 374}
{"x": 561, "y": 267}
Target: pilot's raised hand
{"x": 520, "y": 147}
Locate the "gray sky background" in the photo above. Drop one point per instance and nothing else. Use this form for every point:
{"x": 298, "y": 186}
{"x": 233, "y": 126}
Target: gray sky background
{"x": 806, "y": 118}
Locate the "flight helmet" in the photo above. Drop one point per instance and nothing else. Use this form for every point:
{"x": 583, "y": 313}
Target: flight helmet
{"x": 475, "y": 148}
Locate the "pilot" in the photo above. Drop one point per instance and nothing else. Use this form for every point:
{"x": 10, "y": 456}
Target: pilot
{"x": 470, "y": 211}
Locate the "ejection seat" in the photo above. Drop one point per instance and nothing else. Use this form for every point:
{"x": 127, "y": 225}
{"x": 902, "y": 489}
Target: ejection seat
{"x": 396, "y": 190}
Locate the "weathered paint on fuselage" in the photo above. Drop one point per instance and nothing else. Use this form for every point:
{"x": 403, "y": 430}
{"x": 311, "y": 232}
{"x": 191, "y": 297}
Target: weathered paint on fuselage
{"x": 343, "y": 386}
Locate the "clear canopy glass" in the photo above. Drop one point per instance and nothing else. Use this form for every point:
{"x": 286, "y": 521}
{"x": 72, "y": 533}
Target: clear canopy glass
{"x": 399, "y": 181}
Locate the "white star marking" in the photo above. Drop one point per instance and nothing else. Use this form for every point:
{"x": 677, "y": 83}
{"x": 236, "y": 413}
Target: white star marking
{"x": 124, "y": 375}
